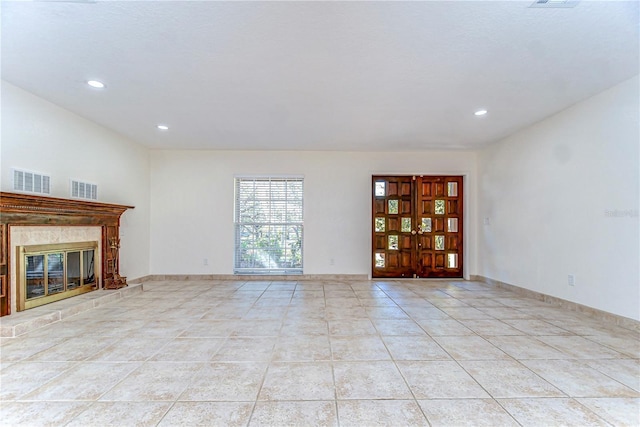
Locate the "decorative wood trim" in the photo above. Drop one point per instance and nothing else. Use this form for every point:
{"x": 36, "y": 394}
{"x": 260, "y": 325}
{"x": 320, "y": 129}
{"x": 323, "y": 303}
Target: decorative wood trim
{"x": 3, "y": 244}
{"x": 27, "y": 209}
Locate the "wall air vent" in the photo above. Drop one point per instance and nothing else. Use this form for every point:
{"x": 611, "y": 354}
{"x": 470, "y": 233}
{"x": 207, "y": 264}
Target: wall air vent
{"x": 554, "y": 3}
{"x": 31, "y": 182}
{"x": 84, "y": 190}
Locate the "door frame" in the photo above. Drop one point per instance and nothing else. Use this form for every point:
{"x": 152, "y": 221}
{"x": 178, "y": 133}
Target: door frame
{"x": 466, "y": 227}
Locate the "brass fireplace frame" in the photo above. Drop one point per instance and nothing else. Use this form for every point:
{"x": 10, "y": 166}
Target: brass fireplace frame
{"x": 22, "y": 252}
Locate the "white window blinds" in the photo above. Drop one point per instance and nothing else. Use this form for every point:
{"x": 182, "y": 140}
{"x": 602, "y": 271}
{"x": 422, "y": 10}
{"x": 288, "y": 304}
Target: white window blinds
{"x": 268, "y": 225}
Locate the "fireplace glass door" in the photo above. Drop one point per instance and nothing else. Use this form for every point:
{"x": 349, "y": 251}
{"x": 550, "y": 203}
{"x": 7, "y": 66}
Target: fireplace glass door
{"x": 35, "y": 276}
{"x": 53, "y": 272}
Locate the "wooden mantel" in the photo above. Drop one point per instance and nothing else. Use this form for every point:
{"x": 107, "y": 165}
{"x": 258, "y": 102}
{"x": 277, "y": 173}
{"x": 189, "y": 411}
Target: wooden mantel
{"x": 32, "y": 210}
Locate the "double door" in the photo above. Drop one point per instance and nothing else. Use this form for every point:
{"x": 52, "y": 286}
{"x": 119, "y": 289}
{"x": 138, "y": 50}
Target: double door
{"x": 417, "y": 226}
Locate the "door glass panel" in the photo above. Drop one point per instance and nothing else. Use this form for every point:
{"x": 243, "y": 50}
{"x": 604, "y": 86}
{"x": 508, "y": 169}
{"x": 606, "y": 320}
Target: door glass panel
{"x": 379, "y": 225}
{"x": 380, "y": 189}
{"x": 452, "y": 261}
{"x": 73, "y": 270}
{"x": 426, "y": 225}
{"x": 452, "y": 189}
{"x": 393, "y": 242}
{"x": 406, "y": 225}
{"x": 452, "y": 225}
{"x": 439, "y": 241}
{"x": 393, "y": 206}
{"x": 88, "y": 267}
{"x": 35, "y": 276}
{"x": 380, "y": 260}
{"x": 439, "y": 207}
{"x": 55, "y": 273}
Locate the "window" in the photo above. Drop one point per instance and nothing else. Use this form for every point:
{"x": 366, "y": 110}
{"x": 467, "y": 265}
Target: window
{"x": 268, "y": 225}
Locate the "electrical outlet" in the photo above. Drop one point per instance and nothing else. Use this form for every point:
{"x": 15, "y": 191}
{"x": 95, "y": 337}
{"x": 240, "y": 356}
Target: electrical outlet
{"x": 332, "y": 261}
{"x": 205, "y": 261}
{"x": 572, "y": 280}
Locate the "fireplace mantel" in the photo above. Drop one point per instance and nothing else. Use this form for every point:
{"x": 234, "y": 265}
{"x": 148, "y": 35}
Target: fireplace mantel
{"x": 32, "y": 210}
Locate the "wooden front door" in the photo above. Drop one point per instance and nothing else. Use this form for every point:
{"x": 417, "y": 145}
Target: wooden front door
{"x": 417, "y": 226}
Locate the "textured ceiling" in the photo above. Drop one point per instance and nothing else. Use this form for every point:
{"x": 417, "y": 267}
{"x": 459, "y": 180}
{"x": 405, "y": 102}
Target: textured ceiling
{"x": 317, "y": 75}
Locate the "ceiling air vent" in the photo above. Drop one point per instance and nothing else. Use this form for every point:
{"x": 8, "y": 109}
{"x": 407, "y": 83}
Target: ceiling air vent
{"x": 84, "y": 190}
{"x": 31, "y": 182}
{"x": 554, "y": 3}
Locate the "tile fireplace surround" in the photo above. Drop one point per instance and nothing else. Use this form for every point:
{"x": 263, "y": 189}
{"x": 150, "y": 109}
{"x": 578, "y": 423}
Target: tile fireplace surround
{"x": 38, "y": 235}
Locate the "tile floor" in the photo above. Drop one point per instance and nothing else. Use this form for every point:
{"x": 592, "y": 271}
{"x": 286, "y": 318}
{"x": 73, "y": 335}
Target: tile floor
{"x": 414, "y": 353}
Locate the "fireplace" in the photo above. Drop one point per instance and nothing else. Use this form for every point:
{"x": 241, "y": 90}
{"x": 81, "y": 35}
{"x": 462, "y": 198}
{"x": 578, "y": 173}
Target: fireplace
{"x": 53, "y": 248}
{"x": 48, "y": 273}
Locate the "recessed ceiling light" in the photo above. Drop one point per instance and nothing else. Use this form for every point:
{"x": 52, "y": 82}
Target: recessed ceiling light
{"x": 96, "y": 84}
{"x": 163, "y": 127}
{"x": 480, "y": 112}
{"x": 554, "y": 3}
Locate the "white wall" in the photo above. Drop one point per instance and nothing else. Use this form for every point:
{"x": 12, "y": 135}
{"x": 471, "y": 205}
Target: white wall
{"x": 192, "y": 196}
{"x": 42, "y": 137}
{"x": 561, "y": 198}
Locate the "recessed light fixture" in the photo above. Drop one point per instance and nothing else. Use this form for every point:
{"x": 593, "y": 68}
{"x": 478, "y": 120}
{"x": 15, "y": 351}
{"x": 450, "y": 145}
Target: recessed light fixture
{"x": 554, "y": 3}
{"x": 480, "y": 112}
{"x": 163, "y": 127}
{"x": 96, "y": 84}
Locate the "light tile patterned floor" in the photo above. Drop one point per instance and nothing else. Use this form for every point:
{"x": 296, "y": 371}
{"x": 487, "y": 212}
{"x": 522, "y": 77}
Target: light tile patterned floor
{"x": 414, "y": 353}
